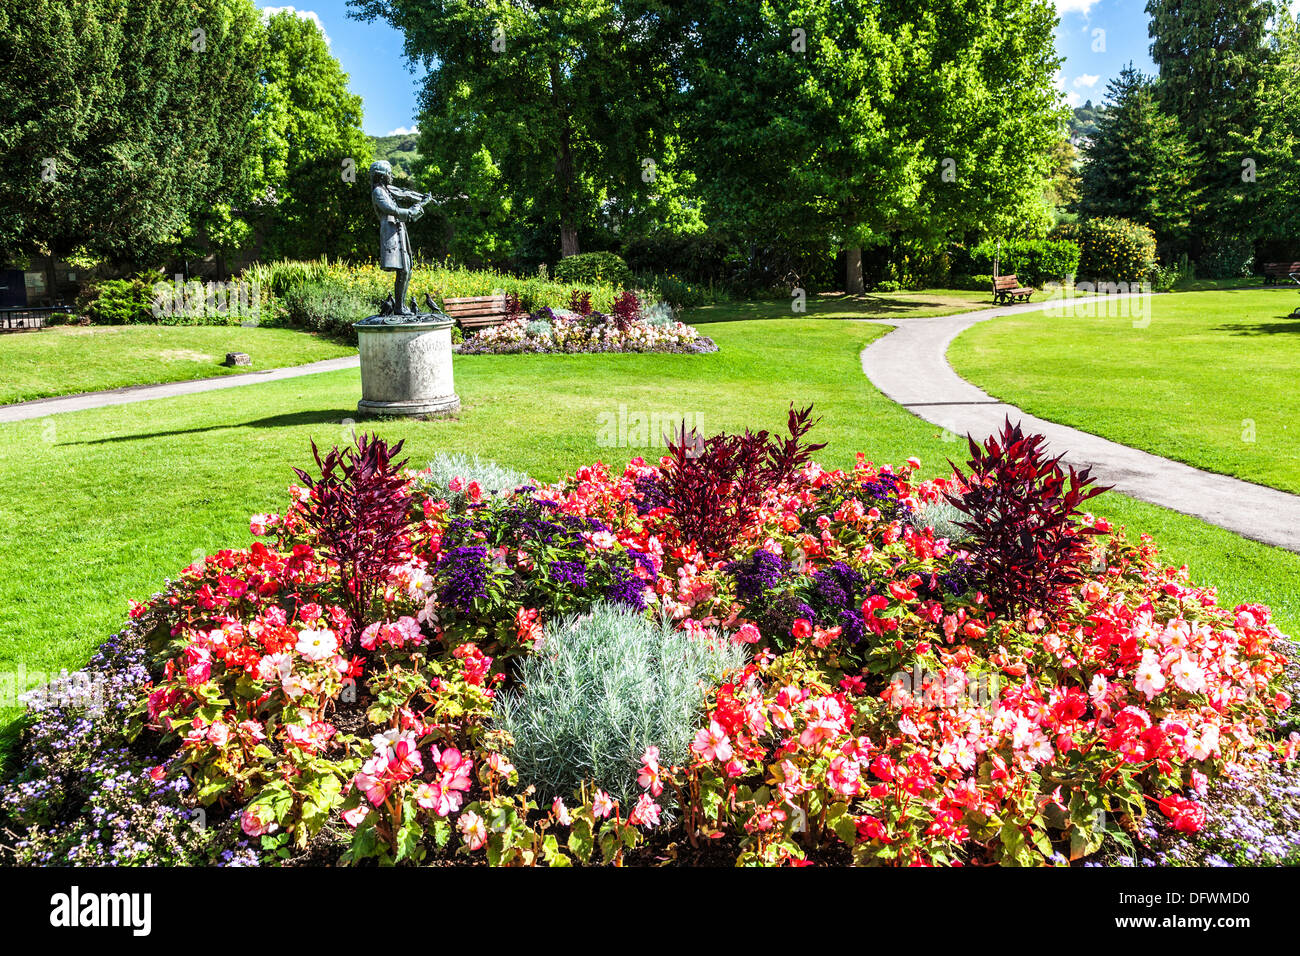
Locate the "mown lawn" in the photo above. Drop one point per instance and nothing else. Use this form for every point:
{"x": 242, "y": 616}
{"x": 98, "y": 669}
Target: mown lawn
{"x": 1211, "y": 381}
{"x": 66, "y": 359}
{"x": 837, "y": 305}
{"x": 101, "y": 506}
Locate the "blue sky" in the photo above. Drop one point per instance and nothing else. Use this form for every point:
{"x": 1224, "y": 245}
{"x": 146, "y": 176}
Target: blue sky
{"x": 371, "y": 53}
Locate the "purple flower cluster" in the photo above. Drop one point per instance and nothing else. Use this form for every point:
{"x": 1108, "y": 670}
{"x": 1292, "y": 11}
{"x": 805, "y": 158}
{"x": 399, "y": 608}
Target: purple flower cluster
{"x": 837, "y": 594}
{"x": 627, "y": 589}
{"x": 85, "y": 795}
{"x": 569, "y": 572}
{"x": 756, "y": 575}
{"x": 1252, "y": 812}
{"x": 466, "y": 572}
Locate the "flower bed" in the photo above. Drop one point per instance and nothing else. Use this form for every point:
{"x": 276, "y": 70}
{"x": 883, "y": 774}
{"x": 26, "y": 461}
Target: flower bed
{"x": 738, "y": 655}
{"x": 628, "y": 328}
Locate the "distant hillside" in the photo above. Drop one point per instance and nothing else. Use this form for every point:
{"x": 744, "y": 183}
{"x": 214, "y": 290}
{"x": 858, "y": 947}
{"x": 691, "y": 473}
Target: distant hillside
{"x": 1083, "y": 122}
{"x": 400, "y": 151}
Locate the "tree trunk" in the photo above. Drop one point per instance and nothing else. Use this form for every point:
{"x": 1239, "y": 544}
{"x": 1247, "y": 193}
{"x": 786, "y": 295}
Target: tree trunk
{"x": 568, "y": 241}
{"x": 564, "y": 171}
{"x": 853, "y": 284}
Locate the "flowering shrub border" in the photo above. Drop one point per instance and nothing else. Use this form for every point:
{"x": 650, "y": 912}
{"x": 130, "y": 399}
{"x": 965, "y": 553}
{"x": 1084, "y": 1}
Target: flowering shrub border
{"x": 888, "y": 715}
{"x": 628, "y": 328}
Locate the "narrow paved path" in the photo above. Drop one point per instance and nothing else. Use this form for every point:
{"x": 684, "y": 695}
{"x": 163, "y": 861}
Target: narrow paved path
{"x": 143, "y": 393}
{"x": 910, "y": 366}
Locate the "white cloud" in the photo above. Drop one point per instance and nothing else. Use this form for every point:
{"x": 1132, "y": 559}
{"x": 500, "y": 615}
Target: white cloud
{"x": 311, "y": 15}
{"x": 1074, "y": 6}
{"x": 1073, "y": 99}
{"x": 403, "y": 131}
{"x": 1087, "y": 79}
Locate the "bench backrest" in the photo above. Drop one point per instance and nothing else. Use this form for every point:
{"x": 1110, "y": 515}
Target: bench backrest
{"x": 1005, "y": 282}
{"x": 1281, "y": 268}
{"x": 478, "y": 311}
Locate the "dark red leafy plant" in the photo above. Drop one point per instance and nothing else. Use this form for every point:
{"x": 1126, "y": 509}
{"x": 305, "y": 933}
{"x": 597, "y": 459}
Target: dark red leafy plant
{"x": 514, "y": 306}
{"x": 625, "y": 309}
{"x": 1023, "y": 513}
{"x": 714, "y": 486}
{"x": 580, "y": 302}
{"x": 360, "y": 516}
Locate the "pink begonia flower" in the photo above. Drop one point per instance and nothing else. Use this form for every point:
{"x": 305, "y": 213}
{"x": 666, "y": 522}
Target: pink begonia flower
{"x": 199, "y": 674}
{"x": 712, "y": 743}
{"x": 354, "y": 816}
{"x": 1149, "y": 679}
{"x": 317, "y": 645}
{"x": 646, "y": 813}
{"x": 561, "y": 813}
{"x": 746, "y": 634}
{"x": 649, "y": 776}
{"x": 602, "y": 806}
{"x": 473, "y": 829}
{"x": 257, "y": 821}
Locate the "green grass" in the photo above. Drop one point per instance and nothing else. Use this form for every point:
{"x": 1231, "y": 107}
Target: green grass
{"x": 837, "y": 305}
{"x": 103, "y": 505}
{"x": 66, "y": 359}
{"x": 1212, "y": 381}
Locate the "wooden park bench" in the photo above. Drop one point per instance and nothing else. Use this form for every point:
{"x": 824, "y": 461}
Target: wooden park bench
{"x": 1007, "y": 289}
{"x": 29, "y": 318}
{"x": 1275, "y": 272}
{"x": 478, "y": 311}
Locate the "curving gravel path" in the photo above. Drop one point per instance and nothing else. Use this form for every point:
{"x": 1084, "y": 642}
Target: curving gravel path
{"x": 910, "y": 366}
{"x": 41, "y": 407}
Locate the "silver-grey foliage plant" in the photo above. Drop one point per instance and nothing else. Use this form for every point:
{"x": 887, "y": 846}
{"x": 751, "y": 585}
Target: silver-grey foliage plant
{"x": 493, "y": 479}
{"x": 943, "y": 518}
{"x": 602, "y": 688}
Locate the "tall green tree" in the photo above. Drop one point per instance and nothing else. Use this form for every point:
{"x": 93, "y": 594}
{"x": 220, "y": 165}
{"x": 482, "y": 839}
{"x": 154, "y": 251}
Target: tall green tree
{"x": 1139, "y": 164}
{"x": 855, "y": 120}
{"x": 1274, "y": 201}
{"x": 1212, "y": 57}
{"x": 307, "y": 184}
{"x": 540, "y": 111}
{"x": 123, "y": 122}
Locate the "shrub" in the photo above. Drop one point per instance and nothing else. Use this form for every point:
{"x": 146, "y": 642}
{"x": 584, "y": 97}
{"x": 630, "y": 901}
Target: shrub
{"x": 680, "y": 293}
{"x": 117, "y": 301}
{"x": 1023, "y": 519}
{"x": 1116, "y": 250}
{"x": 594, "y": 268}
{"x": 1033, "y": 261}
{"x": 603, "y": 688}
{"x": 699, "y": 258}
{"x": 359, "y": 513}
{"x": 1227, "y": 257}
{"x": 715, "y": 486}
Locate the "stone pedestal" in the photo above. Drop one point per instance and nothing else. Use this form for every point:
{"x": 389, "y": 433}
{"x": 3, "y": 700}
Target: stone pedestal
{"x": 406, "y": 366}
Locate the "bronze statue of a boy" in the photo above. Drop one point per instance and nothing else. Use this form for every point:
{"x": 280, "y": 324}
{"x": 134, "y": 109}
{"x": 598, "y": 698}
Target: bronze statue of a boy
{"x": 394, "y": 243}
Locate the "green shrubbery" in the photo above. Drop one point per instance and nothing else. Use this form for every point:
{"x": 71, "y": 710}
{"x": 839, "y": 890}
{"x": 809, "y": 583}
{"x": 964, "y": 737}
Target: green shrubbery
{"x": 1033, "y": 261}
{"x": 594, "y": 269}
{"x": 605, "y": 687}
{"x": 116, "y": 301}
{"x": 1227, "y": 257}
{"x": 1116, "y": 250}
{"x": 318, "y": 295}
